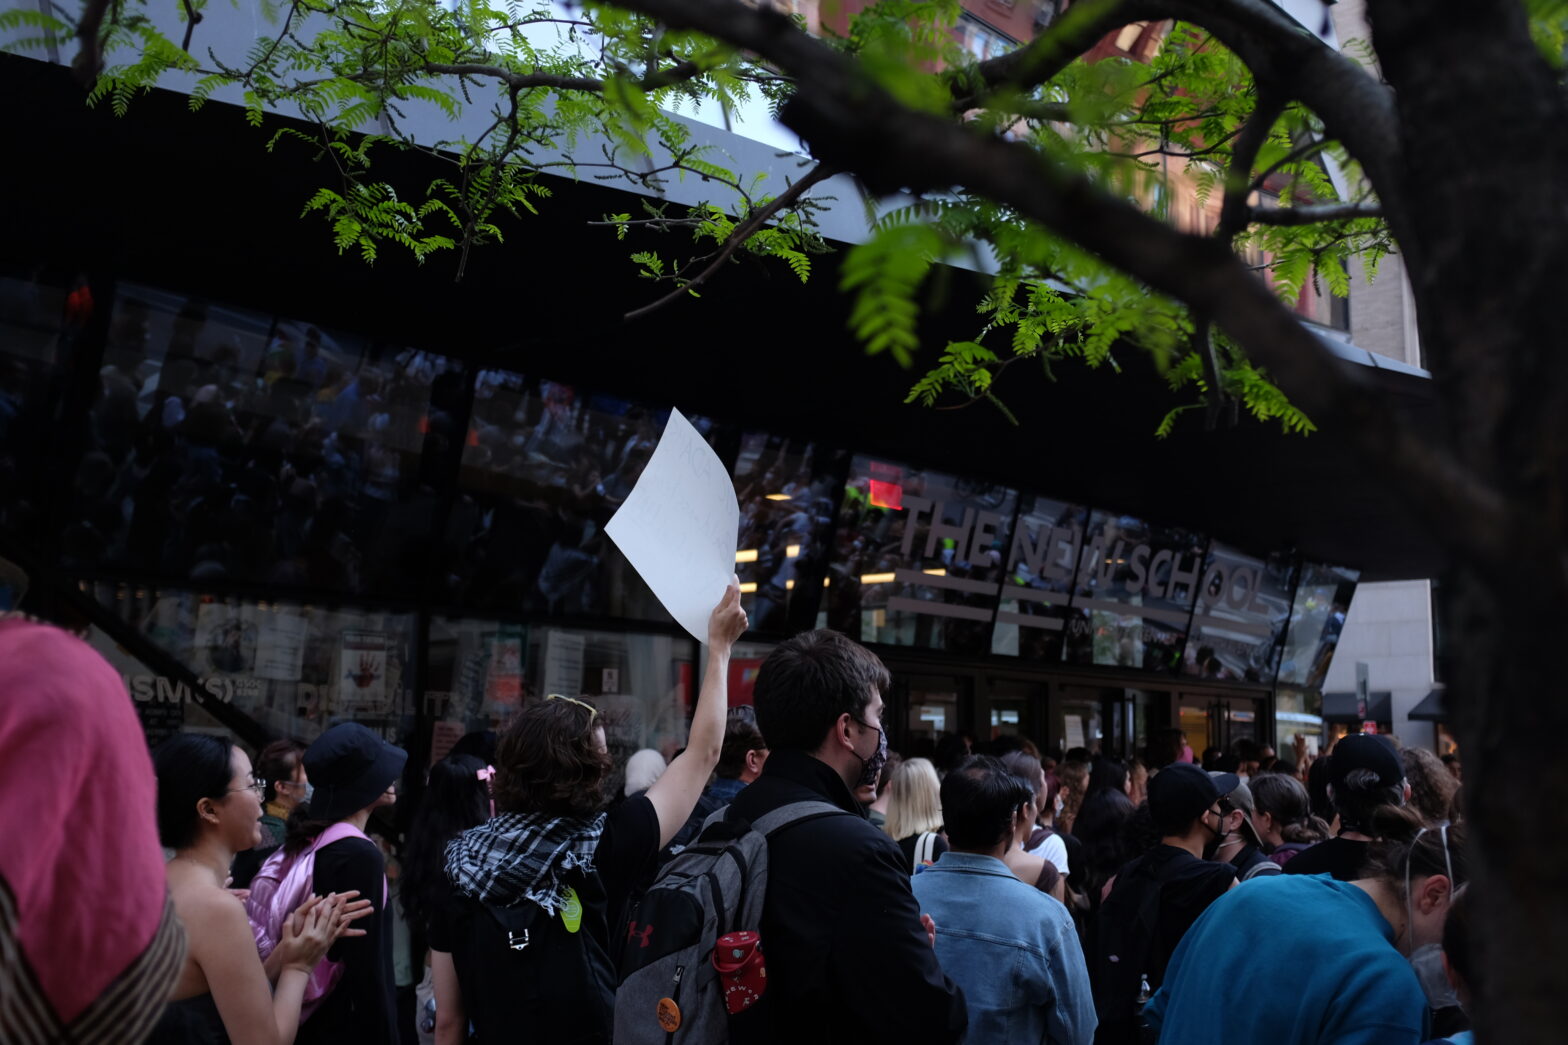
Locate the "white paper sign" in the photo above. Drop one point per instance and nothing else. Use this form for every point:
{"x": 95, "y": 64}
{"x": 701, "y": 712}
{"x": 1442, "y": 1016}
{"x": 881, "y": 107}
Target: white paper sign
{"x": 679, "y": 526}
{"x": 280, "y": 652}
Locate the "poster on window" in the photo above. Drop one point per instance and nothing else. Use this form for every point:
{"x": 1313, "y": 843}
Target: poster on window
{"x": 280, "y": 648}
{"x": 504, "y": 679}
{"x": 563, "y": 663}
{"x": 362, "y": 673}
{"x": 225, "y": 639}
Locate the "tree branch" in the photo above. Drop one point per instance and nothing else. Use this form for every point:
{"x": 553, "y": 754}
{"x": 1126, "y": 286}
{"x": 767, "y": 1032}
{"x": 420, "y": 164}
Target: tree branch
{"x": 853, "y": 123}
{"x": 88, "y": 62}
{"x": 1079, "y": 28}
{"x": 517, "y": 81}
{"x": 1313, "y": 215}
{"x": 192, "y": 16}
{"x": 1234, "y": 210}
{"x": 740, "y": 234}
{"x": 1356, "y": 109}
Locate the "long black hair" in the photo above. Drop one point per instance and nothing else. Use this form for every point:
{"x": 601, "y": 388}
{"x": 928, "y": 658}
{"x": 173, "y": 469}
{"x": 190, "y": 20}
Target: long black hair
{"x": 190, "y": 767}
{"x": 455, "y": 799}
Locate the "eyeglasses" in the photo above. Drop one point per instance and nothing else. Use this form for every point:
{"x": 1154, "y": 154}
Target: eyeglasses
{"x": 592, "y": 711}
{"x": 256, "y": 784}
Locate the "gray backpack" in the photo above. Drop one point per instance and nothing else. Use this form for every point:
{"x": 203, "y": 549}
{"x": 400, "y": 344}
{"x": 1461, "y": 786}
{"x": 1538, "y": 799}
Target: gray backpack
{"x": 671, "y": 993}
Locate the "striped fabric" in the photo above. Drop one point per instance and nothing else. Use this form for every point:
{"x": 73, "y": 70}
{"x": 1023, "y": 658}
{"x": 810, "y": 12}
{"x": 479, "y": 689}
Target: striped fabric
{"x": 123, "y": 1014}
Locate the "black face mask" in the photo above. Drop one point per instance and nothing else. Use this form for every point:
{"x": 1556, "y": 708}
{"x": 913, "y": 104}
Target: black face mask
{"x": 1212, "y": 846}
{"x": 871, "y": 767}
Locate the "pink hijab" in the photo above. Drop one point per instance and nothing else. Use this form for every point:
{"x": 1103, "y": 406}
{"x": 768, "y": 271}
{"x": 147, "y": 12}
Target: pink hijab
{"x": 89, "y": 945}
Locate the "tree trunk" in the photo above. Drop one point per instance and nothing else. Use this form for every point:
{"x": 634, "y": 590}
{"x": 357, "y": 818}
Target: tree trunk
{"x": 1484, "y": 136}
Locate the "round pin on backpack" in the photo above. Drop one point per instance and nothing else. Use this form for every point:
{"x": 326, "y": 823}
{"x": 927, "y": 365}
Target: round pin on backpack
{"x": 669, "y": 1015}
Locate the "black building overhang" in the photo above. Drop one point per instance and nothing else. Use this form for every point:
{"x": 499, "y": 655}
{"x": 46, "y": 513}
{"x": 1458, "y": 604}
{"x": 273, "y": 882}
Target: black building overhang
{"x": 191, "y": 200}
{"x": 1431, "y": 708}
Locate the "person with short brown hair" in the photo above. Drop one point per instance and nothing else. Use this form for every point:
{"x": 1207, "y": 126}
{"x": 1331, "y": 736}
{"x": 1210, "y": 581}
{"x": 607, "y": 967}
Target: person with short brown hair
{"x": 838, "y": 888}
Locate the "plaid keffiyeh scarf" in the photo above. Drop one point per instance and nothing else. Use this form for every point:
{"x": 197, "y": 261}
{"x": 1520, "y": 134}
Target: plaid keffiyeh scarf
{"x": 515, "y": 857}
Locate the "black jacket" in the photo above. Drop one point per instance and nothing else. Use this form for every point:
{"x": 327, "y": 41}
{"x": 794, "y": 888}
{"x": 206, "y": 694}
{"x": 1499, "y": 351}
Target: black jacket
{"x": 847, "y": 958}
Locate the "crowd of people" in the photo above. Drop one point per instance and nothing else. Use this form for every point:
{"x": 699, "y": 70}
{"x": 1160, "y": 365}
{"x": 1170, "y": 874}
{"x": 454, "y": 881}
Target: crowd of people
{"x": 785, "y": 877}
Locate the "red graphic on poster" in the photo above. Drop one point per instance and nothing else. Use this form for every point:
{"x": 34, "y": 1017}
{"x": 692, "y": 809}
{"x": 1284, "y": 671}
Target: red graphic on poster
{"x": 743, "y": 680}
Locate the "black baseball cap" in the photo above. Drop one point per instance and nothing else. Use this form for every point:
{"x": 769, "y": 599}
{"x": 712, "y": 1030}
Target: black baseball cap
{"x": 1179, "y": 793}
{"x": 1365, "y": 751}
{"x": 349, "y": 767}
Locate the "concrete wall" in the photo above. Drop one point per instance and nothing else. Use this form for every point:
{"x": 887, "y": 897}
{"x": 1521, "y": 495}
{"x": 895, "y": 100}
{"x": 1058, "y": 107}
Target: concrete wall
{"x": 1390, "y": 628}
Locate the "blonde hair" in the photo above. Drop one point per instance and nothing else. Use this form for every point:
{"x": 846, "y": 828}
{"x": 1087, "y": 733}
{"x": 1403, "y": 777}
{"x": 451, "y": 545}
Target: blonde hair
{"x": 914, "y": 802}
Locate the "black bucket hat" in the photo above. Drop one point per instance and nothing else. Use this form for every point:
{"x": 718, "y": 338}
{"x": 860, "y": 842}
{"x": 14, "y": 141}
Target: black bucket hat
{"x": 349, "y": 767}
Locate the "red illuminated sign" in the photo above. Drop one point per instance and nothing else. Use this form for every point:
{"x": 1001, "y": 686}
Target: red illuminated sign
{"x": 886, "y": 495}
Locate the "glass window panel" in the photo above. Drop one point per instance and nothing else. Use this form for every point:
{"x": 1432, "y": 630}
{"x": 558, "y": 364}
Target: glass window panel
{"x": 919, "y": 558}
{"x": 1041, "y": 562}
{"x": 482, "y": 671}
{"x": 292, "y": 667}
{"x": 1134, "y": 592}
{"x": 786, "y": 494}
{"x": 544, "y": 469}
{"x": 1316, "y": 619}
{"x": 285, "y": 454}
{"x": 31, "y": 364}
{"x": 1297, "y": 712}
{"x": 1242, "y": 611}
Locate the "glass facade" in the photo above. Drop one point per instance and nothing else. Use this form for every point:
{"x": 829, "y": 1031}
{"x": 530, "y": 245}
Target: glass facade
{"x": 1134, "y": 593}
{"x": 786, "y": 492}
{"x": 920, "y": 557}
{"x": 320, "y": 526}
{"x": 1316, "y": 619}
{"x": 294, "y": 668}
{"x": 225, "y": 445}
{"x": 1242, "y": 611}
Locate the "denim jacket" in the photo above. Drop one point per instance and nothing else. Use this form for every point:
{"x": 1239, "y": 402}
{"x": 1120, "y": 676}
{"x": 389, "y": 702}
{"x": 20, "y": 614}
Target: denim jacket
{"x": 1012, "y": 949}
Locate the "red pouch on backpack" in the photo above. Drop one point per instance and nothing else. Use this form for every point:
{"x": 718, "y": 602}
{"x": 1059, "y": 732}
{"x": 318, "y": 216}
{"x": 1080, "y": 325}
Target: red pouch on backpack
{"x": 738, "y": 959}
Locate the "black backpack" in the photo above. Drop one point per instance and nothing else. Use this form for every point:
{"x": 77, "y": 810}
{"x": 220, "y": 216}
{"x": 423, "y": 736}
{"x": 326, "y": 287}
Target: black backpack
{"x": 1124, "y": 936}
{"x": 671, "y": 991}
{"x": 526, "y": 977}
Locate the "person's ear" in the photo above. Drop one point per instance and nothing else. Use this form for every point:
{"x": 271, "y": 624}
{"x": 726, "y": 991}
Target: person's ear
{"x": 842, "y": 731}
{"x": 207, "y": 809}
{"x": 1434, "y": 893}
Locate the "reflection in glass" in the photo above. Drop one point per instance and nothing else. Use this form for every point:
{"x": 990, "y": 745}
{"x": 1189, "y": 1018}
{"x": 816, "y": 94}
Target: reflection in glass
{"x": 1297, "y": 712}
{"x": 31, "y": 363}
{"x": 482, "y": 671}
{"x": 1134, "y": 592}
{"x": 544, "y": 469}
{"x": 228, "y": 447}
{"x": 920, "y": 557}
{"x": 1012, "y": 704}
{"x": 1316, "y": 620}
{"x": 1243, "y": 608}
{"x": 294, "y": 668}
{"x": 785, "y": 490}
{"x": 1077, "y": 721}
{"x": 1031, "y": 620}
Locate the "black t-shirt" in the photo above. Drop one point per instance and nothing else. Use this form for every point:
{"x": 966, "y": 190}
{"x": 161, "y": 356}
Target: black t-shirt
{"x": 363, "y": 1005}
{"x": 1343, "y": 858}
{"x": 1190, "y": 885}
{"x": 907, "y": 845}
{"x": 1186, "y": 887}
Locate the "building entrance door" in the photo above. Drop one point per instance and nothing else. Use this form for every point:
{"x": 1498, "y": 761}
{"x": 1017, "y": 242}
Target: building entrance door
{"x": 1211, "y": 720}
{"x": 928, "y": 707}
{"x": 1012, "y": 706}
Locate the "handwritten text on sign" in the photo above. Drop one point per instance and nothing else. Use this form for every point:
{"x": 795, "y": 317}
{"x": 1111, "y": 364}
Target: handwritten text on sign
{"x": 679, "y": 525}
